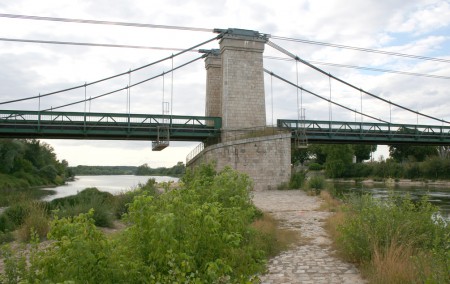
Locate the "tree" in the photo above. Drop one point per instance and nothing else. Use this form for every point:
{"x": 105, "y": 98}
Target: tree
{"x": 339, "y": 158}
{"x": 403, "y": 152}
{"x": 363, "y": 151}
{"x": 299, "y": 155}
{"x": 318, "y": 153}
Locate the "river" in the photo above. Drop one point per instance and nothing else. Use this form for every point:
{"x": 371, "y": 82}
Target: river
{"x": 439, "y": 196}
{"x": 114, "y": 184}
{"x": 111, "y": 183}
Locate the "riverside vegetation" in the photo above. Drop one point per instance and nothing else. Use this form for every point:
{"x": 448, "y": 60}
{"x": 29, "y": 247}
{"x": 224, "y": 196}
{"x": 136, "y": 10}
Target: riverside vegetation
{"x": 205, "y": 231}
{"x": 393, "y": 240}
{"x": 26, "y": 164}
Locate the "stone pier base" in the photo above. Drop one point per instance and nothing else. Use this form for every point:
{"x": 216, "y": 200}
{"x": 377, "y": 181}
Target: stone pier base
{"x": 267, "y": 159}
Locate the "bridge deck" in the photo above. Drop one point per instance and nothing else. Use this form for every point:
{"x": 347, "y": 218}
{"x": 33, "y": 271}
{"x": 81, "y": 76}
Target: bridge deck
{"x": 120, "y": 126}
{"x": 367, "y": 132}
{"x": 105, "y": 126}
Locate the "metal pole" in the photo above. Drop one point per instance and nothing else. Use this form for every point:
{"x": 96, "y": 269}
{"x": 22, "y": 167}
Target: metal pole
{"x": 361, "y": 107}
{"x": 271, "y": 95}
{"x": 39, "y": 112}
{"x": 390, "y": 112}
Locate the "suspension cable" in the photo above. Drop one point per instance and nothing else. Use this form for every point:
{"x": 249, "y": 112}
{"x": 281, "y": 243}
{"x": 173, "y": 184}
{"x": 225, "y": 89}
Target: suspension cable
{"x": 364, "y": 68}
{"x": 82, "y": 21}
{"x": 279, "y": 48}
{"x": 128, "y": 86}
{"x": 114, "y": 76}
{"x": 362, "y": 49}
{"x": 320, "y": 97}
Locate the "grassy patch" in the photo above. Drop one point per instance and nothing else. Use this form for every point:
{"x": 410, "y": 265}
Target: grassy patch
{"x": 394, "y": 240}
{"x": 272, "y": 238}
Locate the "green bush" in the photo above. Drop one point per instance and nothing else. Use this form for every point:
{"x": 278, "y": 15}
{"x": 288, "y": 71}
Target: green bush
{"x": 200, "y": 233}
{"x": 90, "y": 198}
{"x": 16, "y": 214}
{"x": 315, "y": 167}
{"x": 36, "y": 222}
{"x": 297, "y": 180}
{"x": 317, "y": 183}
{"x": 375, "y": 223}
{"x": 124, "y": 199}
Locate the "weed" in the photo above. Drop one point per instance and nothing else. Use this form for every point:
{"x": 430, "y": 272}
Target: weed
{"x": 36, "y": 220}
{"x": 297, "y": 180}
{"x": 272, "y": 238}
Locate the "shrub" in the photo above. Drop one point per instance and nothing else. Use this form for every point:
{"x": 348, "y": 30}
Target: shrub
{"x": 316, "y": 183}
{"x": 6, "y": 237}
{"x": 375, "y": 230}
{"x": 297, "y": 180}
{"x": 200, "y": 233}
{"x": 315, "y": 167}
{"x": 90, "y": 198}
{"x": 35, "y": 222}
{"x": 16, "y": 214}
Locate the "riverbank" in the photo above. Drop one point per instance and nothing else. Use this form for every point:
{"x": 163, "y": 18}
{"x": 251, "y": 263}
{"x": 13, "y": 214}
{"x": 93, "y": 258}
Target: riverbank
{"x": 313, "y": 259}
{"x": 396, "y": 182}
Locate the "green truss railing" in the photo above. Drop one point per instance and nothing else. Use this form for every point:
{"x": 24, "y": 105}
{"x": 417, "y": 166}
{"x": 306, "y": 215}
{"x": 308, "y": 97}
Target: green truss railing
{"x": 367, "y": 132}
{"x": 114, "y": 126}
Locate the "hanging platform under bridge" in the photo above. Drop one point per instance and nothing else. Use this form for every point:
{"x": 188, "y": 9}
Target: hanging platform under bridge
{"x": 107, "y": 126}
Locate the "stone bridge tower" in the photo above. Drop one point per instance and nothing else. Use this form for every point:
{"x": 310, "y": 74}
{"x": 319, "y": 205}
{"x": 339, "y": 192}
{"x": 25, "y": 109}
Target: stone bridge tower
{"x": 235, "y": 92}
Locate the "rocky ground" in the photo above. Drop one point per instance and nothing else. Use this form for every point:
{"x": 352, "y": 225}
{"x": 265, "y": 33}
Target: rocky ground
{"x": 313, "y": 260}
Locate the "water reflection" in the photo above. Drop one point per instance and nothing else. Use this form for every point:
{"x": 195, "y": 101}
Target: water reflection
{"x": 111, "y": 184}
{"x": 439, "y": 196}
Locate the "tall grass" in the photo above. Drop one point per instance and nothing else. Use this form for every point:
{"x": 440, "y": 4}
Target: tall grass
{"x": 393, "y": 239}
{"x": 271, "y": 237}
{"x": 36, "y": 222}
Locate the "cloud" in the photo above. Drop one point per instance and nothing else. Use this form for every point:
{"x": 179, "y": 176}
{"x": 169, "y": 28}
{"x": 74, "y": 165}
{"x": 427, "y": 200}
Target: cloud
{"x": 413, "y": 27}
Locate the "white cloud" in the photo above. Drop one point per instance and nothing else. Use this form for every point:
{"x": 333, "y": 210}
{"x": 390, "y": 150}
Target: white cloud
{"x": 418, "y": 27}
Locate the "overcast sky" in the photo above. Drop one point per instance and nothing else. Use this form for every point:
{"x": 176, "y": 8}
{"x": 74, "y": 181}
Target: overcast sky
{"x": 413, "y": 27}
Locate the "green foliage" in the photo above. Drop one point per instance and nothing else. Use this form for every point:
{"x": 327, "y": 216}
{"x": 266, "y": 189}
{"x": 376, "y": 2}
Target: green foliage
{"x": 124, "y": 199}
{"x": 28, "y": 163}
{"x": 83, "y": 170}
{"x": 317, "y": 183}
{"x": 315, "y": 167}
{"x": 374, "y": 224}
{"x": 299, "y": 155}
{"x": 339, "y": 157}
{"x": 36, "y": 222}
{"x": 297, "y": 180}
{"x": 402, "y": 153}
{"x": 177, "y": 170}
{"x": 362, "y": 151}
{"x": 78, "y": 253}
{"x": 90, "y": 198}
{"x": 200, "y": 233}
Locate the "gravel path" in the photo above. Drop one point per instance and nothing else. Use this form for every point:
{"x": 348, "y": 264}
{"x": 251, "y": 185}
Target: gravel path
{"x": 312, "y": 261}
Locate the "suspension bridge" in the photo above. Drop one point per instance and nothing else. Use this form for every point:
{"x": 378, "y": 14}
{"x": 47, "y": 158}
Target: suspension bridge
{"x": 235, "y": 103}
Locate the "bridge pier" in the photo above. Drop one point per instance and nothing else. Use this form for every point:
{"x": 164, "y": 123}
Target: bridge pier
{"x": 235, "y": 92}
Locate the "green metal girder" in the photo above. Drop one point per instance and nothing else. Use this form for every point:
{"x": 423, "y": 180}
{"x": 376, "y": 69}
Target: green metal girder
{"x": 116, "y": 126}
{"x": 368, "y": 132}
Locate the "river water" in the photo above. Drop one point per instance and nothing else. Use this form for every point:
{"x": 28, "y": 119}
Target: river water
{"x": 110, "y": 183}
{"x": 114, "y": 184}
{"x": 439, "y": 196}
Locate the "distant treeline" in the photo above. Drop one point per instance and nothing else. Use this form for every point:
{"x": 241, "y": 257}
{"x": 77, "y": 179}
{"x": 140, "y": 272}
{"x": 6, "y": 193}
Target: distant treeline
{"x": 103, "y": 170}
{"x": 143, "y": 170}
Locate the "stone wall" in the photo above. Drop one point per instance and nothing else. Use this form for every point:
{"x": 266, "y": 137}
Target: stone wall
{"x": 243, "y": 99}
{"x": 267, "y": 159}
{"x": 213, "y": 66}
